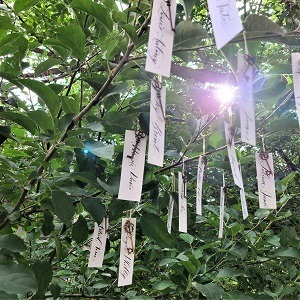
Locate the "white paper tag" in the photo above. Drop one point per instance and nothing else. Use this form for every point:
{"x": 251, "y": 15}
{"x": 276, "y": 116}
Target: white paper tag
{"x": 265, "y": 180}
{"x": 98, "y": 244}
{"x": 170, "y": 214}
{"x": 244, "y": 204}
{"x": 161, "y": 37}
{"x": 200, "y": 172}
{"x": 127, "y": 251}
{"x": 236, "y": 173}
{"x": 296, "y": 80}
{"x": 225, "y": 20}
{"x": 157, "y": 124}
{"x": 182, "y": 204}
{"x": 132, "y": 168}
{"x": 222, "y": 206}
{"x": 247, "y": 114}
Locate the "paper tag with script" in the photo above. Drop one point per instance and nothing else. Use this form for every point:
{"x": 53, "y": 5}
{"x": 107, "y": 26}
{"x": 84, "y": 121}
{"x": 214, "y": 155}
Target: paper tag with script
{"x": 296, "y": 80}
{"x": 160, "y": 43}
{"x": 200, "y": 173}
{"x": 182, "y": 203}
{"x": 170, "y": 214}
{"x": 222, "y": 207}
{"x": 246, "y": 72}
{"x": 127, "y": 251}
{"x": 244, "y": 204}
{"x": 132, "y": 167}
{"x": 265, "y": 180}
{"x": 225, "y": 20}
{"x": 98, "y": 244}
{"x": 236, "y": 173}
{"x": 157, "y": 124}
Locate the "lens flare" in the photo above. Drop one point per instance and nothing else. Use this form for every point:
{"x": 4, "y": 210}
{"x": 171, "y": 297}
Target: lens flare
{"x": 225, "y": 93}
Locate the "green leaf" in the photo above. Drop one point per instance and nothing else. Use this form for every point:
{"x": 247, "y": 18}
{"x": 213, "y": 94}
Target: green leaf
{"x": 14, "y": 43}
{"x": 236, "y": 295}
{"x": 63, "y": 206}
{"x": 238, "y": 250}
{"x": 15, "y": 278}
{"x": 188, "y": 7}
{"x": 80, "y": 230}
{"x": 284, "y": 124}
{"x": 48, "y": 225}
{"x": 96, "y": 10}
{"x": 45, "y": 93}
{"x": 229, "y": 272}
{"x": 118, "y": 121}
{"x": 95, "y": 207}
{"x": 210, "y": 290}
{"x": 113, "y": 189}
{"x": 20, "y": 119}
{"x": 43, "y": 274}
{"x": 12, "y": 242}
{"x": 69, "y": 105}
{"x": 255, "y": 22}
{"x": 288, "y": 252}
{"x": 95, "y": 126}
{"x": 5, "y": 296}
{"x": 21, "y": 5}
{"x": 6, "y": 23}
{"x": 164, "y": 284}
{"x": 73, "y": 37}
{"x": 99, "y": 149}
{"x": 55, "y": 290}
{"x": 288, "y": 237}
{"x": 41, "y": 119}
{"x": 46, "y": 65}
{"x": 156, "y": 229}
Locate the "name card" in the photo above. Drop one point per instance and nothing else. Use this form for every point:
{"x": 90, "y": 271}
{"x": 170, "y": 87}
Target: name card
{"x": 161, "y": 37}
{"x": 182, "y": 204}
{"x": 247, "y": 114}
{"x": 296, "y": 80}
{"x": 222, "y": 207}
{"x": 225, "y": 20}
{"x": 170, "y": 214}
{"x": 265, "y": 180}
{"x": 236, "y": 173}
{"x": 157, "y": 124}
{"x": 244, "y": 204}
{"x": 98, "y": 244}
{"x": 127, "y": 251}
{"x": 200, "y": 173}
{"x": 132, "y": 167}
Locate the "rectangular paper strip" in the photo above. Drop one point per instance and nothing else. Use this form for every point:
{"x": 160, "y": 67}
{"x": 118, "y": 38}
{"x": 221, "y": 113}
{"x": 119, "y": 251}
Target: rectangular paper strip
{"x": 157, "y": 124}
{"x": 222, "y": 206}
{"x": 296, "y": 80}
{"x": 98, "y": 244}
{"x": 170, "y": 214}
{"x": 265, "y": 180}
{"x": 244, "y": 204}
{"x": 132, "y": 168}
{"x": 247, "y": 114}
{"x": 200, "y": 172}
{"x": 127, "y": 251}
{"x": 182, "y": 204}
{"x": 236, "y": 173}
{"x": 160, "y": 43}
{"x": 225, "y": 20}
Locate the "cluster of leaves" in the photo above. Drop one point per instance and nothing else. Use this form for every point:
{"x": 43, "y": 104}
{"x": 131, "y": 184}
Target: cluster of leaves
{"x": 72, "y": 81}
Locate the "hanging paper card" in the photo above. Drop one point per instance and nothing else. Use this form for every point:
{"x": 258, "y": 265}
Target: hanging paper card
{"x": 132, "y": 166}
{"x": 161, "y": 36}
{"x": 296, "y": 79}
{"x": 244, "y": 204}
{"x": 225, "y": 20}
{"x": 265, "y": 180}
{"x": 127, "y": 251}
{"x": 236, "y": 173}
{"x": 157, "y": 124}
{"x": 98, "y": 244}
{"x": 200, "y": 172}
{"x": 222, "y": 206}
{"x": 246, "y": 72}
{"x": 182, "y": 204}
{"x": 170, "y": 214}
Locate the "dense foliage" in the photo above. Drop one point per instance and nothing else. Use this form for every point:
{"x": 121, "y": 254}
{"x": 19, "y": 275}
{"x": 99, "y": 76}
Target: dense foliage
{"x": 72, "y": 81}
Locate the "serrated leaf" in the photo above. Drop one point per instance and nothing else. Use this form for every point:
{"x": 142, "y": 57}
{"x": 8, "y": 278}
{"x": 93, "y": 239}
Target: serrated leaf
{"x": 99, "y": 149}
{"x": 12, "y": 242}
{"x": 63, "y": 206}
{"x": 46, "y": 65}
{"x": 43, "y": 274}
{"x": 80, "y": 230}
{"x": 21, "y": 5}
{"x": 41, "y": 119}
{"x": 20, "y": 119}
{"x": 45, "y": 93}
{"x": 73, "y": 37}
{"x": 15, "y": 278}
{"x": 96, "y": 10}
{"x": 95, "y": 207}
{"x": 155, "y": 228}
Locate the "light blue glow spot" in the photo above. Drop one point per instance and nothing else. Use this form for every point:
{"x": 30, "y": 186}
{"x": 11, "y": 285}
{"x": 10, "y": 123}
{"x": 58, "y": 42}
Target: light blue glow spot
{"x": 85, "y": 151}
